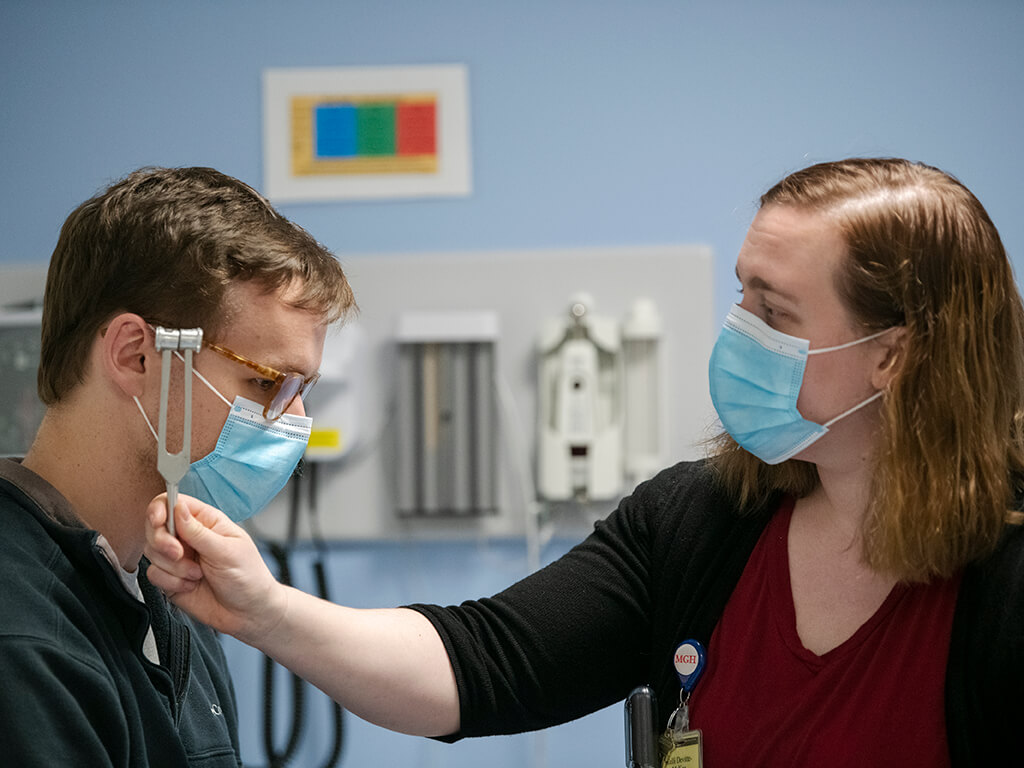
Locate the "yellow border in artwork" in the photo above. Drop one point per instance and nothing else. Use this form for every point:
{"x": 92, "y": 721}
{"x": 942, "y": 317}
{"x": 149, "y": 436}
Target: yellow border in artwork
{"x": 305, "y": 163}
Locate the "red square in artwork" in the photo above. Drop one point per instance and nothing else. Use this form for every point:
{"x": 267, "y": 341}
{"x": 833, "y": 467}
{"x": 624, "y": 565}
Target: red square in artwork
{"x": 416, "y": 128}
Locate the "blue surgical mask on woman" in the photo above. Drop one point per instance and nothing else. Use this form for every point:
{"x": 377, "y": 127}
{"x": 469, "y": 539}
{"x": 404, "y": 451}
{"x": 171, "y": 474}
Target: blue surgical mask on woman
{"x": 251, "y": 462}
{"x": 755, "y": 374}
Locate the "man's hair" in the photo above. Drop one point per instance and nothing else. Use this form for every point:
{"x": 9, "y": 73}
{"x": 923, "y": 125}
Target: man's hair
{"x": 166, "y": 243}
{"x": 923, "y": 254}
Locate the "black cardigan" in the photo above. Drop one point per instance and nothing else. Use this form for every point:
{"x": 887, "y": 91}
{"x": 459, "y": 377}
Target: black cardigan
{"x": 581, "y": 633}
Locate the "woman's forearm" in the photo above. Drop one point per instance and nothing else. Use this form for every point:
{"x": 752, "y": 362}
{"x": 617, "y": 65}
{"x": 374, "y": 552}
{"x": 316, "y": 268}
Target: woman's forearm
{"x": 387, "y": 666}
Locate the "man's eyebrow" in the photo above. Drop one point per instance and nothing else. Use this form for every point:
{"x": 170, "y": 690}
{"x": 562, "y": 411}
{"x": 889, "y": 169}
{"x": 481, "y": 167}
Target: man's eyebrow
{"x": 283, "y": 365}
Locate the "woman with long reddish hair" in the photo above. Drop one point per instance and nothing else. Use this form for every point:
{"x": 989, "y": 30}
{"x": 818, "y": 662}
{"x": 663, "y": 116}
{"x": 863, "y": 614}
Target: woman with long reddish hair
{"x": 847, "y": 564}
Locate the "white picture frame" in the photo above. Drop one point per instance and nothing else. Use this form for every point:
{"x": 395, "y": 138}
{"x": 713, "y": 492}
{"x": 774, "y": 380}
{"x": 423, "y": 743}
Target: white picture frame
{"x": 295, "y": 172}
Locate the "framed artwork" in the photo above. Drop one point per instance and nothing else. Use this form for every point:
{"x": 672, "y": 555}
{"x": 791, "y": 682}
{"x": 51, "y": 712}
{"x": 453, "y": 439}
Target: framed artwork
{"x": 365, "y": 133}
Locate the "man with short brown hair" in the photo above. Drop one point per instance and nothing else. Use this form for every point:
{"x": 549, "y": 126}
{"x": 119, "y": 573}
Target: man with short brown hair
{"x": 97, "y": 669}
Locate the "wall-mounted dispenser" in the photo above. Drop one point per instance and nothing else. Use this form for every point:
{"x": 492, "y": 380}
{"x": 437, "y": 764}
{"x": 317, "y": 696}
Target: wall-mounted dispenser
{"x": 446, "y": 414}
{"x": 580, "y": 406}
{"x": 642, "y": 369}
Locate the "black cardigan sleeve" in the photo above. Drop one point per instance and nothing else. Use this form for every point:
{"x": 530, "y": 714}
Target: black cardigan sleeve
{"x": 985, "y": 672}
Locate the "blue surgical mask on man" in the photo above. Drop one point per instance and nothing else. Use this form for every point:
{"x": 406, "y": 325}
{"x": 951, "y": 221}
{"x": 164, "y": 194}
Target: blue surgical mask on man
{"x": 755, "y": 374}
{"x": 252, "y": 460}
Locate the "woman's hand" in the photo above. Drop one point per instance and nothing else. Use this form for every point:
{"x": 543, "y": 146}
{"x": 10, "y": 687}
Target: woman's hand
{"x": 212, "y": 569}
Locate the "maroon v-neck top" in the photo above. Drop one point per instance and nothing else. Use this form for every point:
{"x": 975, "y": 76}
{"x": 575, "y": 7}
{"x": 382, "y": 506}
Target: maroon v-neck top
{"x": 876, "y": 699}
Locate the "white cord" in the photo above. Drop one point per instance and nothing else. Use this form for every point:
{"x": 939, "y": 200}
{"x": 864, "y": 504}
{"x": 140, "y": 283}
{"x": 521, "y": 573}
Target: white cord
{"x": 519, "y": 465}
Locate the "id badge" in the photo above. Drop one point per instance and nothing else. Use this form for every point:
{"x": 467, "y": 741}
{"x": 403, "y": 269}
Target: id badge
{"x": 687, "y": 753}
{"x": 680, "y": 746}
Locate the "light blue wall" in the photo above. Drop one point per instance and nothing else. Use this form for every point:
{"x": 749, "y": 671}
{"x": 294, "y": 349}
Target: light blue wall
{"x": 594, "y": 122}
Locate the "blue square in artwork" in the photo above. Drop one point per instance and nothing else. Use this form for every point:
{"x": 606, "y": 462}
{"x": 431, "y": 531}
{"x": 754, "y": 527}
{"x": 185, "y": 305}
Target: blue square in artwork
{"x": 335, "y": 131}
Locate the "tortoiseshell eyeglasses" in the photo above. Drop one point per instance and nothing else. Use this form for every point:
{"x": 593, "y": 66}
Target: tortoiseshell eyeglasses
{"x": 287, "y": 386}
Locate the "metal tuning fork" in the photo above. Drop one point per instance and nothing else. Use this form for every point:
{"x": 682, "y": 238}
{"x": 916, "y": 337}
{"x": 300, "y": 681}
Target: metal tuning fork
{"x": 173, "y": 466}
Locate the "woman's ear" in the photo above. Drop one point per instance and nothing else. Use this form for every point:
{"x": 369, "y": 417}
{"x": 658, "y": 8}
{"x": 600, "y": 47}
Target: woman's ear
{"x": 124, "y": 345}
{"x": 893, "y": 344}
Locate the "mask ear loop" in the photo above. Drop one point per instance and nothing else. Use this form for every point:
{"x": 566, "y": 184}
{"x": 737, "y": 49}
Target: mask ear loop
{"x": 855, "y": 408}
{"x": 200, "y": 377}
{"x": 207, "y": 383}
{"x": 853, "y": 343}
{"x": 148, "y": 422}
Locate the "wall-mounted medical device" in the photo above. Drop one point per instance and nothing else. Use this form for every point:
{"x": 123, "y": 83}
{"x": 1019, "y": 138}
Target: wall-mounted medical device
{"x": 643, "y": 440}
{"x": 335, "y": 402}
{"x": 19, "y": 360}
{"x": 446, "y": 414}
{"x": 580, "y": 405}
{"x": 598, "y": 409}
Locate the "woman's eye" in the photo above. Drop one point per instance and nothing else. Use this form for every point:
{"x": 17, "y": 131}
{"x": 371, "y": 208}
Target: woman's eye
{"x": 264, "y": 385}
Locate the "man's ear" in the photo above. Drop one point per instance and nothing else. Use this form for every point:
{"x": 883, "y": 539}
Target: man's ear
{"x": 125, "y": 346}
{"x": 894, "y": 345}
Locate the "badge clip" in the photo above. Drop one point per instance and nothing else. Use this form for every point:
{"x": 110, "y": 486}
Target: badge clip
{"x": 679, "y": 744}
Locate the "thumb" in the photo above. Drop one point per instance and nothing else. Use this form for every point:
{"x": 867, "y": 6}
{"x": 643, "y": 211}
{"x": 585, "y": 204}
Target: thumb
{"x": 204, "y": 528}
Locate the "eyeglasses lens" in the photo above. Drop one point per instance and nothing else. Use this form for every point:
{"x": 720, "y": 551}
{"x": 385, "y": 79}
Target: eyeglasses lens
{"x": 290, "y": 387}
